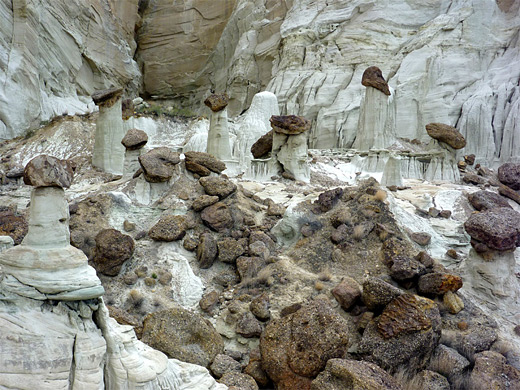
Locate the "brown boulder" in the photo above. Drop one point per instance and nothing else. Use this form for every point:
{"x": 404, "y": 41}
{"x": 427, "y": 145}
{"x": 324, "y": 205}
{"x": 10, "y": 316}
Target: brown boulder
{"x": 195, "y": 168}
{"x": 217, "y": 102}
{"x": 217, "y": 216}
{"x": 491, "y": 371}
{"x": 238, "y": 381}
{"x": 296, "y": 348}
{"x": 169, "y": 228}
{"x": 48, "y": 171}
{"x": 248, "y": 267}
{"x": 205, "y": 160}
{"x": 405, "y": 335}
{"x": 373, "y": 77}
{"x": 347, "y": 292}
{"x": 377, "y": 293}
{"x": 263, "y": 145}
{"x": 447, "y": 134}
{"x": 219, "y": 186}
{"x": 248, "y": 326}
{"x": 486, "y": 200}
{"x": 206, "y": 250}
{"x": 134, "y": 139}
{"x": 421, "y": 238}
{"x": 406, "y": 268}
{"x": 183, "y": 335}
{"x": 498, "y": 228}
{"x": 354, "y": 375}
{"x": 260, "y": 307}
{"x": 13, "y": 225}
{"x": 230, "y": 249}
{"x": 405, "y": 314}
{"x": 509, "y": 174}
{"x": 223, "y": 364}
{"x": 509, "y": 193}
{"x": 158, "y": 164}
{"x": 204, "y": 201}
{"x": 289, "y": 124}
{"x": 437, "y": 283}
{"x": 328, "y": 199}
{"x": 113, "y": 248}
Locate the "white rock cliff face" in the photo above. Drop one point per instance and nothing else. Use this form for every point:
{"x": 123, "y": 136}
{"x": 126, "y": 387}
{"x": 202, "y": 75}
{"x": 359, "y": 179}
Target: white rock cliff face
{"x": 53, "y": 55}
{"x": 450, "y": 61}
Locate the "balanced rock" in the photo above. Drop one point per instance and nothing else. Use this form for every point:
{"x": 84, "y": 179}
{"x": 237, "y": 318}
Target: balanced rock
{"x": 217, "y": 102}
{"x": 289, "y": 124}
{"x": 48, "y": 171}
{"x": 509, "y": 174}
{"x": 353, "y": 375}
{"x": 437, "y": 283}
{"x": 219, "y": 186}
{"x": 373, "y": 77}
{"x": 107, "y": 97}
{"x": 295, "y": 348}
{"x": 206, "y": 160}
{"x": 447, "y": 134}
{"x": 113, "y": 248}
{"x": 217, "y": 216}
{"x": 158, "y": 164}
{"x": 134, "y": 139}
{"x": 169, "y": 228}
{"x": 263, "y": 145}
{"x": 183, "y": 335}
{"x": 498, "y": 228}
{"x": 487, "y": 200}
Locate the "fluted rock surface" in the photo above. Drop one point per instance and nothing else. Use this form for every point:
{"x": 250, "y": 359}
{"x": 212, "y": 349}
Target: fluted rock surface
{"x": 53, "y": 55}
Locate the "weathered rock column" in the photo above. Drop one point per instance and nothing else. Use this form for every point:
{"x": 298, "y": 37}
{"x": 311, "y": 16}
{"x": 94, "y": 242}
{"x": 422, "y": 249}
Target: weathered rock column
{"x": 45, "y": 265}
{"x": 392, "y": 175}
{"x": 376, "y": 126}
{"x": 109, "y": 153}
{"x": 133, "y": 141}
{"x": 290, "y": 146}
{"x": 218, "y": 134}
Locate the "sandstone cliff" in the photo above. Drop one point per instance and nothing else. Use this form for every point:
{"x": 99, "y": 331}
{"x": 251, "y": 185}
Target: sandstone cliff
{"x": 452, "y": 61}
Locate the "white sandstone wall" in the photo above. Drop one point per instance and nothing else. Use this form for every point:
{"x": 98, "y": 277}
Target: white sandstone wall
{"x": 54, "y": 54}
